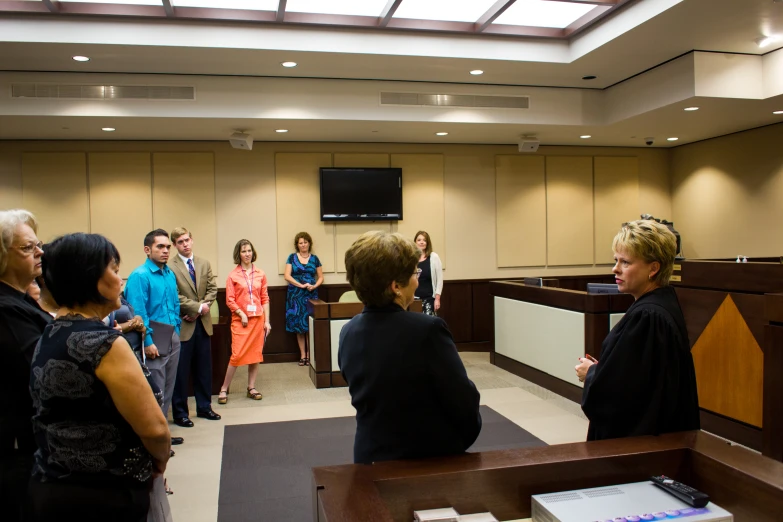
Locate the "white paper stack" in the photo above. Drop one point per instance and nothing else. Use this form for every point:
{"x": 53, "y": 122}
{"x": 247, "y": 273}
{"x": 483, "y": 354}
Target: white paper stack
{"x": 436, "y": 515}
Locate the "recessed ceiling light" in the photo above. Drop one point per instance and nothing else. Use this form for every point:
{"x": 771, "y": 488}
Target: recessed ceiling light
{"x": 288, "y": 64}
{"x": 80, "y": 58}
{"x": 441, "y": 134}
{"x": 672, "y": 139}
{"x": 764, "y": 41}
{"x": 585, "y": 136}
{"x": 281, "y": 130}
{"x": 589, "y": 77}
{"x": 108, "y": 129}
{"x": 476, "y": 72}
{"x": 691, "y": 109}
{"x": 777, "y": 112}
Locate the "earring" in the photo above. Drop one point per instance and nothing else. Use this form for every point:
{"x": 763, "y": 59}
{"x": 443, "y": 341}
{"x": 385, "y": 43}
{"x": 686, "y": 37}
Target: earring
{"x": 399, "y": 294}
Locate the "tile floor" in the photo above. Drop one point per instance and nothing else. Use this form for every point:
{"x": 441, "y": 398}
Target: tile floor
{"x": 194, "y": 473}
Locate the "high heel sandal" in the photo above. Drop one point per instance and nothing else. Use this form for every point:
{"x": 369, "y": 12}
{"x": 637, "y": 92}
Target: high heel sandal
{"x": 223, "y": 400}
{"x": 256, "y": 396}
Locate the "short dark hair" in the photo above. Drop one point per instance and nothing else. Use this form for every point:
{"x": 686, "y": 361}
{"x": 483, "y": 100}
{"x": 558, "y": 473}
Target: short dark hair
{"x": 307, "y": 238}
{"x": 375, "y": 260}
{"x": 149, "y": 239}
{"x": 73, "y": 264}
{"x": 238, "y": 249}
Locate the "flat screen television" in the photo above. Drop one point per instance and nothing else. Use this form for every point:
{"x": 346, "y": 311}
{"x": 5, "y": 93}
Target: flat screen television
{"x": 602, "y": 288}
{"x": 361, "y": 194}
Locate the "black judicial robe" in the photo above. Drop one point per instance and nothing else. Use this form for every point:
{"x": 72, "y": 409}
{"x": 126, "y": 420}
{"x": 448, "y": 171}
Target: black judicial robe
{"x": 645, "y": 382}
{"x": 412, "y": 396}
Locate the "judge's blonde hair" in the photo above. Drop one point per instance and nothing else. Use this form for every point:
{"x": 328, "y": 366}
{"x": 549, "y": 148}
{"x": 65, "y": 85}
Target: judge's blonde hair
{"x": 651, "y": 241}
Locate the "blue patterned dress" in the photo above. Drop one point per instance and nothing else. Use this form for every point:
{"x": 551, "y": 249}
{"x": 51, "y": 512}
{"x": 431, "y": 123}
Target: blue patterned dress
{"x": 296, "y": 299}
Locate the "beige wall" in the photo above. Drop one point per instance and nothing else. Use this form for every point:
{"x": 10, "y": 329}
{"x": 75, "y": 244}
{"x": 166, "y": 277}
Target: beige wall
{"x": 246, "y": 202}
{"x": 727, "y": 195}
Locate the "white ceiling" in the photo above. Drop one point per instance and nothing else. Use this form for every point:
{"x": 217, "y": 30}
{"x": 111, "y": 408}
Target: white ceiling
{"x": 728, "y": 26}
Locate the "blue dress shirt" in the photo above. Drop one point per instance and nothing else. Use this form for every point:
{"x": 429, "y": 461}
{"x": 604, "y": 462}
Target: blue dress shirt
{"x": 152, "y": 292}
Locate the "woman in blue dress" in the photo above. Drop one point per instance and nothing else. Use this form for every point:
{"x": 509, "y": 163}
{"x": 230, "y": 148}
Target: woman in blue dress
{"x": 304, "y": 274}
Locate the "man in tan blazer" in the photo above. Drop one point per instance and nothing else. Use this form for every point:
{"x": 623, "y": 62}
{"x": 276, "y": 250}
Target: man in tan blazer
{"x": 197, "y": 289}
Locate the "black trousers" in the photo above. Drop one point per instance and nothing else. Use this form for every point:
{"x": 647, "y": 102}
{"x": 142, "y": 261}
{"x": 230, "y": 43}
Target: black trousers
{"x": 195, "y": 357}
{"x": 52, "y": 501}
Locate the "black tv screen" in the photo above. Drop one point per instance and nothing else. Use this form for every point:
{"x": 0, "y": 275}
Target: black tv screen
{"x": 361, "y": 194}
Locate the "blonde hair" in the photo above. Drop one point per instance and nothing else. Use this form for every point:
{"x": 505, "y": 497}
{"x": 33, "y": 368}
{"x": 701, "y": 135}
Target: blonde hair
{"x": 377, "y": 259}
{"x": 9, "y": 222}
{"x": 650, "y": 241}
{"x": 428, "y": 250}
{"x": 179, "y": 232}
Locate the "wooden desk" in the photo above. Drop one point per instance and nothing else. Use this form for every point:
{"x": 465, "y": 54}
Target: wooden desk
{"x": 734, "y": 330}
{"x": 326, "y": 321}
{"x": 746, "y": 484}
{"x": 541, "y": 331}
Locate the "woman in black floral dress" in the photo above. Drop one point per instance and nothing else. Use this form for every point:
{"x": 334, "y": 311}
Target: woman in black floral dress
{"x": 100, "y": 433}
{"x": 304, "y": 274}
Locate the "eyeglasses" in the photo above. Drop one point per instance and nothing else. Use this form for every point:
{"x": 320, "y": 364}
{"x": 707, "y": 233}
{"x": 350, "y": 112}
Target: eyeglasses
{"x": 418, "y": 273}
{"x": 30, "y": 248}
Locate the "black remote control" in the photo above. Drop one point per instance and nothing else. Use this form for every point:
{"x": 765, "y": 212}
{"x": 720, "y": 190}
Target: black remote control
{"x": 692, "y": 497}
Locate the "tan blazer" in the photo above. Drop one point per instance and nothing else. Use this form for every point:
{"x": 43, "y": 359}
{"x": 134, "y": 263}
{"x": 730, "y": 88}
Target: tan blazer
{"x": 190, "y": 298}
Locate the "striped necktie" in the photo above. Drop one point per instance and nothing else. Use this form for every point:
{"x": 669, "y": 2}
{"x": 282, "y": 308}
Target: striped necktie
{"x": 192, "y": 271}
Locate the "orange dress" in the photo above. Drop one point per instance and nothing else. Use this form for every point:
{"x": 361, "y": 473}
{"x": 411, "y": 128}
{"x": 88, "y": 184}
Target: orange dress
{"x": 247, "y": 342}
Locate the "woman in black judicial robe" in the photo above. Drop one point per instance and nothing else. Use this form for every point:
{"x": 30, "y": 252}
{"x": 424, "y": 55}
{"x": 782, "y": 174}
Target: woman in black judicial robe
{"x": 412, "y": 396}
{"x": 645, "y": 382}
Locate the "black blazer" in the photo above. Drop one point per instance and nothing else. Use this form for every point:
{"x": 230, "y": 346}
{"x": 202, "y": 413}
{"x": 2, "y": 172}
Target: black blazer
{"x": 412, "y": 396}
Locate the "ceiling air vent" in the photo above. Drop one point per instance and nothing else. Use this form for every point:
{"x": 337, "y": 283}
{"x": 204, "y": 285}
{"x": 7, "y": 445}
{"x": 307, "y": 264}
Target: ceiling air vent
{"x": 102, "y": 92}
{"x": 455, "y": 100}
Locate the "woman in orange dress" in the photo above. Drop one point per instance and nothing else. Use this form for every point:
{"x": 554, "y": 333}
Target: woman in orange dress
{"x": 248, "y": 300}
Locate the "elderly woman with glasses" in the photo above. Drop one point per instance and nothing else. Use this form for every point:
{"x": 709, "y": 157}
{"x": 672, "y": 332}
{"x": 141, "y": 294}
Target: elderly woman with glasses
{"x": 21, "y": 323}
{"x": 412, "y": 396}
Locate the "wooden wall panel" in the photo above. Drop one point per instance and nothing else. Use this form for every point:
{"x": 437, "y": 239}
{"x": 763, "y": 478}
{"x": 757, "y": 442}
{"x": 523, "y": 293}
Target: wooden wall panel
{"x": 183, "y": 195}
{"x": 521, "y": 221}
{"x": 569, "y": 210}
{"x": 730, "y": 367}
{"x": 299, "y": 206}
{"x": 616, "y": 181}
{"x": 54, "y": 188}
{"x": 423, "y": 198}
{"x": 122, "y": 180}
{"x": 347, "y": 233}
{"x": 457, "y": 310}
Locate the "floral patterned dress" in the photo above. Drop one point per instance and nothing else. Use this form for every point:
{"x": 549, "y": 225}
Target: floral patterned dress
{"x": 296, "y": 298}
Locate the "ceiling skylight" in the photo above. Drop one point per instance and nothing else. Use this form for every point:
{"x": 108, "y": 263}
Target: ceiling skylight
{"x": 125, "y": 2}
{"x": 443, "y": 10}
{"x": 254, "y": 5}
{"x": 543, "y": 13}
{"x": 337, "y": 7}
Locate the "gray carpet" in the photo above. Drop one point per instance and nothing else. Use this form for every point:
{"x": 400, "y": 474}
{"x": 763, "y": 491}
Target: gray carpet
{"x": 266, "y": 475}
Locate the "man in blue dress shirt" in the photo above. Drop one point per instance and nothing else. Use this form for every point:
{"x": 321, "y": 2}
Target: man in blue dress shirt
{"x": 152, "y": 291}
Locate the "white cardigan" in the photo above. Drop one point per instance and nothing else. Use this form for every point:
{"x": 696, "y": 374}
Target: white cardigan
{"x": 436, "y": 270}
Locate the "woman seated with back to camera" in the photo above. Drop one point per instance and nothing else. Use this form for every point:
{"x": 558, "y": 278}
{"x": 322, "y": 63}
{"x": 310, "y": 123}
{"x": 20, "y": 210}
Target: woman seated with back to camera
{"x": 645, "y": 382}
{"x": 101, "y": 435}
{"x": 412, "y": 396}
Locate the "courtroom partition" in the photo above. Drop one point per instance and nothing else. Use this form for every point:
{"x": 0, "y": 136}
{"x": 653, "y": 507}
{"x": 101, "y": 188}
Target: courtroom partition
{"x": 502, "y": 482}
{"x": 736, "y": 347}
{"x": 540, "y": 332}
{"x": 326, "y": 321}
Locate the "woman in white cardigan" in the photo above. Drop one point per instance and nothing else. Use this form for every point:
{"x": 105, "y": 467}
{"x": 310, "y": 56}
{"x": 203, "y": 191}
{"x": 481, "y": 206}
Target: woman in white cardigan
{"x": 430, "y": 275}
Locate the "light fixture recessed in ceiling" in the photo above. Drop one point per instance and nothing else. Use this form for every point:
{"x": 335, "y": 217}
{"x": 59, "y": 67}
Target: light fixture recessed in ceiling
{"x": 777, "y": 112}
{"x": 672, "y": 139}
{"x": 441, "y": 134}
{"x": 476, "y": 72}
{"x": 281, "y": 130}
{"x": 108, "y": 129}
{"x": 80, "y": 58}
{"x": 288, "y": 64}
{"x": 691, "y": 109}
{"x": 585, "y": 136}
{"x": 589, "y": 77}
{"x": 763, "y": 41}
